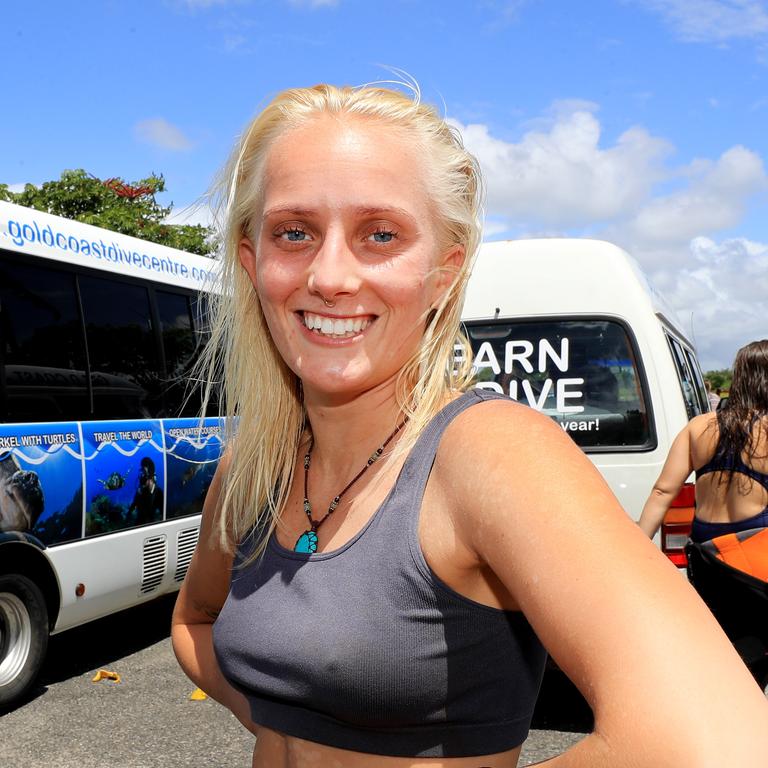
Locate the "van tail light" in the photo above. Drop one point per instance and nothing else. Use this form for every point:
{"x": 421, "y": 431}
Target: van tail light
{"x": 676, "y": 527}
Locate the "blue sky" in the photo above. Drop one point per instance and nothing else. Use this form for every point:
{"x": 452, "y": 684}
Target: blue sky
{"x": 640, "y": 121}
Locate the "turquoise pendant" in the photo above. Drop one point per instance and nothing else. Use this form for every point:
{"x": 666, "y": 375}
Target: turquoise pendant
{"x": 306, "y": 543}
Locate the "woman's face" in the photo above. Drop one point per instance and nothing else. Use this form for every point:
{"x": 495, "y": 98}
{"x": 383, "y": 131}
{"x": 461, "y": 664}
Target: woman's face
{"x": 346, "y": 222}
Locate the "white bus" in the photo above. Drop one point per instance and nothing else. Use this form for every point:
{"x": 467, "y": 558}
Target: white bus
{"x": 103, "y": 467}
{"x": 574, "y": 329}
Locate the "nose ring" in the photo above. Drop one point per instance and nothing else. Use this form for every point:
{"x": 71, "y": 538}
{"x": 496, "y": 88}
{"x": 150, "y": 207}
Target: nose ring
{"x": 328, "y": 303}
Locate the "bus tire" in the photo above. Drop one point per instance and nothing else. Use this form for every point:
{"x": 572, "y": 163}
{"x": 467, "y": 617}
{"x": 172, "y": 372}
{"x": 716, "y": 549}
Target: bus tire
{"x": 23, "y": 635}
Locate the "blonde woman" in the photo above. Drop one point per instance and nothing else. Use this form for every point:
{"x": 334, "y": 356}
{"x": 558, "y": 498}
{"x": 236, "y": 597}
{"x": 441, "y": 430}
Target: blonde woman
{"x": 384, "y": 552}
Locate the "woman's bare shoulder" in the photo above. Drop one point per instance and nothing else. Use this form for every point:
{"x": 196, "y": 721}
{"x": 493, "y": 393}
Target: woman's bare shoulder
{"x": 502, "y": 424}
{"x": 703, "y": 420}
{"x": 492, "y": 441}
{"x": 704, "y": 426}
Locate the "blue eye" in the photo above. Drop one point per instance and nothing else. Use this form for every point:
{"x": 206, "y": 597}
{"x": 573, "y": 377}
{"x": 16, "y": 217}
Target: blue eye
{"x": 294, "y": 235}
{"x": 383, "y": 237}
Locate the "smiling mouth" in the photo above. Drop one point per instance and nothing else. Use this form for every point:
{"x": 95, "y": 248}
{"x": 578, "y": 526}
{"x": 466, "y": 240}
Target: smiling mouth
{"x": 336, "y": 327}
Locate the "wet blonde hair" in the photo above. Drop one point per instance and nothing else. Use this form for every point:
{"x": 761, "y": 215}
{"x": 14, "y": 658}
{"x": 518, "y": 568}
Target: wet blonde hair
{"x": 260, "y": 396}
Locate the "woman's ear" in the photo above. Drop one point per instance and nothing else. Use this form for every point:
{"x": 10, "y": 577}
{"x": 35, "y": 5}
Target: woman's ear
{"x": 247, "y": 255}
{"x": 449, "y": 266}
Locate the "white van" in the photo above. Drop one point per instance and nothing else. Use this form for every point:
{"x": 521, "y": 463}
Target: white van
{"x": 574, "y": 329}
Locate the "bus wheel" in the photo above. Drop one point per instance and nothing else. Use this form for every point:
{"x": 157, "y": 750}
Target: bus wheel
{"x": 23, "y": 635}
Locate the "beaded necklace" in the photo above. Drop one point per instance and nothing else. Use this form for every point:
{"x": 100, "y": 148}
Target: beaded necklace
{"x": 307, "y": 542}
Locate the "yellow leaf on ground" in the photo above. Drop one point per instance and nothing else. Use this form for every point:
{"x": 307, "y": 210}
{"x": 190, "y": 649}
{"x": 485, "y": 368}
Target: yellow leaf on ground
{"x": 198, "y": 695}
{"x": 105, "y": 674}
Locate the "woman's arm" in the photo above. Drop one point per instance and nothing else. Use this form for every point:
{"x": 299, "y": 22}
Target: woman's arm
{"x": 200, "y": 599}
{"x": 676, "y": 469}
{"x": 663, "y": 681}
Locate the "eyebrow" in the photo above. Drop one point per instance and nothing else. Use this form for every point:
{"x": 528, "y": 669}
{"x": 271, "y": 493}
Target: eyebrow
{"x": 361, "y": 210}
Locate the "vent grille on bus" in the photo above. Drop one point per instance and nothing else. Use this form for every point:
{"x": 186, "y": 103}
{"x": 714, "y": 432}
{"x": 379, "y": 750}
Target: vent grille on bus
{"x": 185, "y": 547}
{"x": 153, "y": 563}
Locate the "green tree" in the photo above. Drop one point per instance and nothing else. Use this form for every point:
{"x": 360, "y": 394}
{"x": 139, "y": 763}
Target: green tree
{"x": 720, "y": 379}
{"x": 129, "y": 208}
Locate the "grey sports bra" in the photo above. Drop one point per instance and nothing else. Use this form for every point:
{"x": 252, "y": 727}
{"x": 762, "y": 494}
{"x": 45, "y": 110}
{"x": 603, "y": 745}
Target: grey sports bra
{"x": 364, "y": 648}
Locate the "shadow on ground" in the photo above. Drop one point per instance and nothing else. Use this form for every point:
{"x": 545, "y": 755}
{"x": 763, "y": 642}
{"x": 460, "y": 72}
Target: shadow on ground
{"x": 102, "y": 642}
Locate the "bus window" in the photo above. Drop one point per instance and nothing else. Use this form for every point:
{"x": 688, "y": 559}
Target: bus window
{"x": 180, "y": 345}
{"x": 582, "y": 373}
{"x": 42, "y": 352}
{"x": 201, "y": 314}
{"x": 127, "y": 382}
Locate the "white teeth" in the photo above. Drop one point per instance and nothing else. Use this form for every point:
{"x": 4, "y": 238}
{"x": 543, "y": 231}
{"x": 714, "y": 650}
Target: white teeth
{"x": 335, "y": 327}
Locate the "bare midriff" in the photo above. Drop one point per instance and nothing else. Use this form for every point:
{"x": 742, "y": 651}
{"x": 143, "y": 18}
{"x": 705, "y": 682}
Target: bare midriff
{"x": 275, "y": 750}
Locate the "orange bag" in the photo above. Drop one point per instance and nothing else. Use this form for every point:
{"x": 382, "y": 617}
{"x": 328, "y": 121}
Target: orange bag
{"x": 730, "y": 573}
{"x": 746, "y": 551}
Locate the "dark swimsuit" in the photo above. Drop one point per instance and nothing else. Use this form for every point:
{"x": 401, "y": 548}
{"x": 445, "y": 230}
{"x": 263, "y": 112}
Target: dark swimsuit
{"x": 703, "y": 531}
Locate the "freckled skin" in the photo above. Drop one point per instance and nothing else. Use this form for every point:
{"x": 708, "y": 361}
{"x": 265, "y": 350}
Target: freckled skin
{"x": 341, "y": 186}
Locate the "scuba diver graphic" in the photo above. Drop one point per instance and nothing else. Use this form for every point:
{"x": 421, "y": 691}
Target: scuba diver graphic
{"x": 147, "y": 504}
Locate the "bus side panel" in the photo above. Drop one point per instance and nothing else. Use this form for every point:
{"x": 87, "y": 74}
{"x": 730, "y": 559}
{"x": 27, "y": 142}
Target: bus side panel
{"x": 70, "y": 480}
{"x": 117, "y": 504}
{"x": 121, "y": 570}
{"x": 41, "y": 480}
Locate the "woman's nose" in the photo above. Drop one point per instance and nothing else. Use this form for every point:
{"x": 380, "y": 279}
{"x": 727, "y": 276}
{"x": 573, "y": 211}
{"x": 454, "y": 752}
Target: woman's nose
{"x": 335, "y": 269}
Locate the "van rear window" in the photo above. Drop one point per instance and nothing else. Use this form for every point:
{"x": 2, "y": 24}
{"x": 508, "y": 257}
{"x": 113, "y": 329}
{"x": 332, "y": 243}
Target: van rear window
{"x": 582, "y": 373}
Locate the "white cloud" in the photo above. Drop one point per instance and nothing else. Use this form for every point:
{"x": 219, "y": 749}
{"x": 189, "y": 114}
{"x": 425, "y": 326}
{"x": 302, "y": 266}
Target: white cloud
{"x": 558, "y": 176}
{"x": 16, "y": 188}
{"x": 713, "y": 20}
{"x": 160, "y": 133}
{"x": 715, "y": 199}
{"x": 722, "y": 288}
